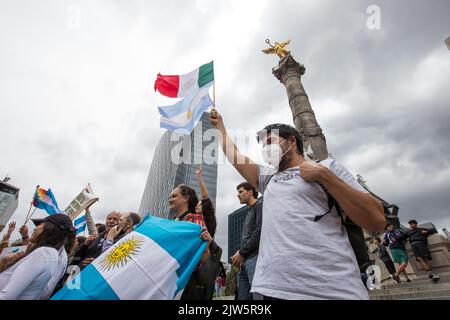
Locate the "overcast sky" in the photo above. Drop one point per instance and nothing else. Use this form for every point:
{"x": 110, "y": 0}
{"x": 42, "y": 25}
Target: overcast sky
{"x": 78, "y": 106}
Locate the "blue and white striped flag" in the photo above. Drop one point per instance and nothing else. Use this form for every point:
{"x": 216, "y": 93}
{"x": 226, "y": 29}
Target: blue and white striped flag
{"x": 80, "y": 224}
{"x": 153, "y": 262}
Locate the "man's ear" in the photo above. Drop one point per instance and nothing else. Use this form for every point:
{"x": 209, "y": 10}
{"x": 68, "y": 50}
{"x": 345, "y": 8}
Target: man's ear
{"x": 293, "y": 141}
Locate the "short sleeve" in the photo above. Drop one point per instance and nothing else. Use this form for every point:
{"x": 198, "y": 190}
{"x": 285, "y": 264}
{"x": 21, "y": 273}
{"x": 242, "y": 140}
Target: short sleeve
{"x": 265, "y": 174}
{"x": 340, "y": 171}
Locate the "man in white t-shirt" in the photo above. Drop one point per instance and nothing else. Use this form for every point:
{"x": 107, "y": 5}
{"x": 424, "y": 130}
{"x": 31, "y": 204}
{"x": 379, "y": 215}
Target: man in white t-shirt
{"x": 301, "y": 258}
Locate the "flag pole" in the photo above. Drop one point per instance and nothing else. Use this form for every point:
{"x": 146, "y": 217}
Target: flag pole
{"x": 214, "y": 94}
{"x": 31, "y": 204}
{"x": 29, "y": 218}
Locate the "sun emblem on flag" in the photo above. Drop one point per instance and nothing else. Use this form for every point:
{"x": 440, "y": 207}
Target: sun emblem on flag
{"x": 120, "y": 254}
{"x": 189, "y": 114}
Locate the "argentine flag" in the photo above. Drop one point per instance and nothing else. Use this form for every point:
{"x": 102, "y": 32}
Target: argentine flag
{"x": 185, "y": 114}
{"x": 80, "y": 224}
{"x": 154, "y": 262}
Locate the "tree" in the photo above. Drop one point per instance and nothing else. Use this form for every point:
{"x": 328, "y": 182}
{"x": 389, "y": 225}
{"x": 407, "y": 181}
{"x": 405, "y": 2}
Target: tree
{"x": 230, "y": 283}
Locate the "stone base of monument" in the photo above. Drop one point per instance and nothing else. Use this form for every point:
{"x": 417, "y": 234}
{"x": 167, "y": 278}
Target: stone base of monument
{"x": 421, "y": 288}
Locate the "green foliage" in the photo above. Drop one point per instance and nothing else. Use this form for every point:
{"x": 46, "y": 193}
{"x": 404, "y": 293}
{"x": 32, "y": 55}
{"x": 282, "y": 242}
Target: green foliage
{"x": 230, "y": 282}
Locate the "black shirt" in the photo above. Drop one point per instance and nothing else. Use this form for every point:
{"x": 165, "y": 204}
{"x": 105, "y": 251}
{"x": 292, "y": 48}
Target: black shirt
{"x": 416, "y": 235}
{"x": 251, "y": 230}
{"x": 94, "y": 250}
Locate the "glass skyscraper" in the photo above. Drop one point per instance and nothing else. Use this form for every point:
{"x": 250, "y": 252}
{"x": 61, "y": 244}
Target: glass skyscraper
{"x": 235, "y": 224}
{"x": 175, "y": 162}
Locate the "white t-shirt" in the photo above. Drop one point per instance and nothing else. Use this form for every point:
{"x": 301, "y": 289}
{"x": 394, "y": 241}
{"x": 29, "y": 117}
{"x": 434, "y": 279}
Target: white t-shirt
{"x": 35, "y": 276}
{"x": 299, "y": 258}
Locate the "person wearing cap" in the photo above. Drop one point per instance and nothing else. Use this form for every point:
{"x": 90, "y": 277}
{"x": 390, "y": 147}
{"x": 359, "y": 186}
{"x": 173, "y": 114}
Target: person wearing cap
{"x": 33, "y": 274}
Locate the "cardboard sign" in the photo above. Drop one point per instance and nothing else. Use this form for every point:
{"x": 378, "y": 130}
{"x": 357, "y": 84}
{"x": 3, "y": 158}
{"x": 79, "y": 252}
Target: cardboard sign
{"x": 85, "y": 199}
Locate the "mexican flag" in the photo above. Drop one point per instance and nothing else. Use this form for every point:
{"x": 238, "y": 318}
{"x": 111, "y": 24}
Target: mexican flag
{"x": 180, "y": 86}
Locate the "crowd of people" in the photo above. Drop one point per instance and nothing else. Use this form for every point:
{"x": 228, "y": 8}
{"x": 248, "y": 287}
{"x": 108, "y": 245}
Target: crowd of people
{"x": 285, "y": 252}
{"x": 53, "y": 255}
{"x": 396, "y": 241}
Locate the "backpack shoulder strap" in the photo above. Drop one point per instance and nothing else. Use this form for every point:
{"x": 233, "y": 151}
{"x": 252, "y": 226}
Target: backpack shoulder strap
{"x": 332, "y": 203}
{"x": 355, "y": 233}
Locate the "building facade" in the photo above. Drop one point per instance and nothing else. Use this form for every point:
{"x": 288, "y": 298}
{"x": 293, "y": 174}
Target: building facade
{"x": 235, "y": 223}
{"x": 9, "y": 201}
{"x": 175, "y": 162}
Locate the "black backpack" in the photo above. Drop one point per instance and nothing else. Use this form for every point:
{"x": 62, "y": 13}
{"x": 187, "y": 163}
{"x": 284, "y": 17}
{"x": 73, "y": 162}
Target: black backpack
{"x": 354, "y": 232}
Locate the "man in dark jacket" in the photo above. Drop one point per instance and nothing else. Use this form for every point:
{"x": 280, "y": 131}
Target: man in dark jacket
{"x": 419, "y": 244}
{"x": 92, "y": 247}
{"x": 247, "y": 255}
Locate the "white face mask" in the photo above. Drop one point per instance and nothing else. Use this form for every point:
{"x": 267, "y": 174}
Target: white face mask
{"x": 272, "y": 153}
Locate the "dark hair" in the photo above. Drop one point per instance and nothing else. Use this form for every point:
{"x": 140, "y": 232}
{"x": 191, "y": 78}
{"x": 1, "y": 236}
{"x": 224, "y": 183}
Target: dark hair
{"x": 247, "y": 186}
{"x": 412, "y": 221}
{"x": 100, "y": 227}
{"x": 52, "y": 236}
{"x": 80, "y": 240}
{"x": 378, "y": 239}
{"x": 284, "y": 131}
{"x": 191, "y": 194}
{"x": 134, "y": 218}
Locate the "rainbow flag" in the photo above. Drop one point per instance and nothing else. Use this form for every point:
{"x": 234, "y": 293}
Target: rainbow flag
{"x": 44, "y": 199}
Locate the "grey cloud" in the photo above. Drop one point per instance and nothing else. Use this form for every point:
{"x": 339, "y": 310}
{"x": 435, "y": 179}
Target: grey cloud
{"x": 122, "y": 45}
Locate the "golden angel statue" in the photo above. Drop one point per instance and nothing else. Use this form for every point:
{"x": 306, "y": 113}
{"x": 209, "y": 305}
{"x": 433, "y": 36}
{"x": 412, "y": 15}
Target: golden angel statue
{"x": 278, "y": 48}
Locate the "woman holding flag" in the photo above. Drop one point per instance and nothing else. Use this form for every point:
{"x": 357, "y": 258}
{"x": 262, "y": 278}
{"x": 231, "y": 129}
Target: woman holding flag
{"x": 33, "y": 274}
{"x": 183, "y": 201}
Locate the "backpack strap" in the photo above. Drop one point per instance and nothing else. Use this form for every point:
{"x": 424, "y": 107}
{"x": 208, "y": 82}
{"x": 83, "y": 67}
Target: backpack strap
{"x": 332, "y": 203}
{"x": 355, "y": 233}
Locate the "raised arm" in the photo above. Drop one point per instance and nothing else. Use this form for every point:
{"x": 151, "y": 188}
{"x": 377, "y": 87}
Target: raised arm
{"x": 362, "y": 208}
{"x": 90, "y": 222}
{"x": 246, "y": 167}
{"x": 201, "y": 182}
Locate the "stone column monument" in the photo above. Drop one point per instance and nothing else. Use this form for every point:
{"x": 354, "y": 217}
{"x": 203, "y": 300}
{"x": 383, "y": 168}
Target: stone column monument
{"x": 289, "y": 73}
